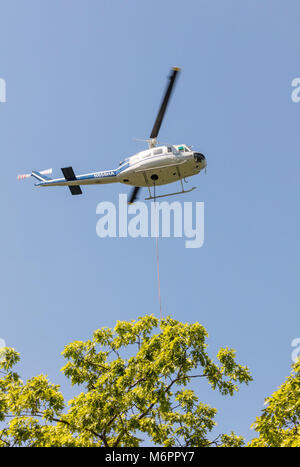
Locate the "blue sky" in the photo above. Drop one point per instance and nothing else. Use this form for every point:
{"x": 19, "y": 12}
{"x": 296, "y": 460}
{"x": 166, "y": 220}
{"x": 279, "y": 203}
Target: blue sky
{"x": 85, "y": 78}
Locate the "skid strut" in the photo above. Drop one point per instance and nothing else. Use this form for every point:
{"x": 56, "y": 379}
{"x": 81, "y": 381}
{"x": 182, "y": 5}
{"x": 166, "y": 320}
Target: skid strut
{"x": 168, "y": 194}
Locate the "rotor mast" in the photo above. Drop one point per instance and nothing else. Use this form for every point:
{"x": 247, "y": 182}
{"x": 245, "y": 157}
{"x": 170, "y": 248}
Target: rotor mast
{"x": 152, "y": 142}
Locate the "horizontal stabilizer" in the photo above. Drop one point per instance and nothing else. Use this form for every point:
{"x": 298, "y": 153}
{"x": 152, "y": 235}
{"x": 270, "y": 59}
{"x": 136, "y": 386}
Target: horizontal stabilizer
{"x": 70, "y": 176}
{"x": 75, "y": 190}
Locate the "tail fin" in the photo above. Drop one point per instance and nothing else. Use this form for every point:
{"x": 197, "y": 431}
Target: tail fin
{"x": 41, "y": 176}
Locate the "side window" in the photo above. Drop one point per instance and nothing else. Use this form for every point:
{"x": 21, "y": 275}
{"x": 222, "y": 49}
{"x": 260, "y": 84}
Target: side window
{"x": 157, "y": 151}
{"x": 169, "y": 149}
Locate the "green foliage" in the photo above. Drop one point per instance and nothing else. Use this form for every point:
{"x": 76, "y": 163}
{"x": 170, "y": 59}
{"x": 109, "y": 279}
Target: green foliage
{"x": 279, "y": 424}
{"x": 134, "y": 381}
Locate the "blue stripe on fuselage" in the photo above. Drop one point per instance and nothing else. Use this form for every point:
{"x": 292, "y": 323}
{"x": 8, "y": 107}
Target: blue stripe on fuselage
{"x": 107, "y": 173}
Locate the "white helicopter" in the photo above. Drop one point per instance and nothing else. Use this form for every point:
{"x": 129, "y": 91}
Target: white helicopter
{"x": 158, "y": 165}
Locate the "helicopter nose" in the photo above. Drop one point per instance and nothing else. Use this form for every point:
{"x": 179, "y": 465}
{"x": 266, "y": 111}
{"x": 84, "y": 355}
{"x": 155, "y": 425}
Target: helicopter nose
{"x": 199, "y": 157}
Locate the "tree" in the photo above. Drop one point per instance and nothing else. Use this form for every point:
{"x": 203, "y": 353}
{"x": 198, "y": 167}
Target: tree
{"x": 134, "y": 381}
{"x": 279, "y": 424}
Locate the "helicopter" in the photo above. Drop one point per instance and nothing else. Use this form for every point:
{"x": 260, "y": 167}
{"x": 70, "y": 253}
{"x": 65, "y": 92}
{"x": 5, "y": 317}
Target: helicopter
{"x": 160, "y": 164}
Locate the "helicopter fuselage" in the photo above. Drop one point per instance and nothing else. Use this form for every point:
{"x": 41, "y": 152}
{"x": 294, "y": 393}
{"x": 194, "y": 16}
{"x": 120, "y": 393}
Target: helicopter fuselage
{"x": 156, "y": 166}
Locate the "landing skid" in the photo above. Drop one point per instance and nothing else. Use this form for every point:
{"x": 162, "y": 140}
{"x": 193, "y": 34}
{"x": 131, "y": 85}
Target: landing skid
{"x": 170, "y": 194}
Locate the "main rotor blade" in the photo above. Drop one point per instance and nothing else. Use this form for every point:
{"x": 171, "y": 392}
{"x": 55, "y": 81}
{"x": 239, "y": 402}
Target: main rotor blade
{"x": 164, "y": 104}
{"x": 134, "y": 194}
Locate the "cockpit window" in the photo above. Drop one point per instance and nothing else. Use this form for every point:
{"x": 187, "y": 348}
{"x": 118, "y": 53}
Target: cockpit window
{"x": 184, "y": 148}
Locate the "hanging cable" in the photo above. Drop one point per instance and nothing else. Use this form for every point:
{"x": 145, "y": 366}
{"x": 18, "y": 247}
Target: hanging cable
{"x": 157, "y": 253}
